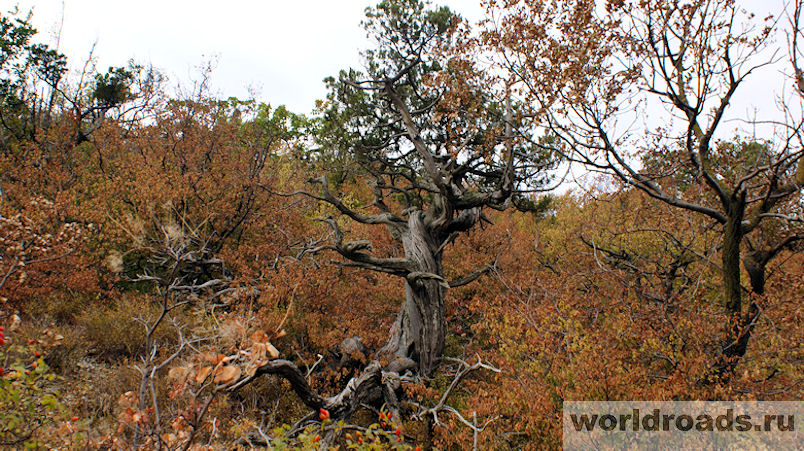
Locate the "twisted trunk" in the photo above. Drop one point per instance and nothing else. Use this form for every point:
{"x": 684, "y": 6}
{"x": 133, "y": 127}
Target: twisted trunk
{"x": 419, "y": 330}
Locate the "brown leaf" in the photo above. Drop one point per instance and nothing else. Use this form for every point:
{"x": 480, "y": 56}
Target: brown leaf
{"x": 251, "y": 368}
{"x": 258, "y": 352}
{"x": 127, "y": 400}
{"x": 273, "y": 353}
{"x": 202, "y": 374}
{"x": 259, "y": 337}
{"x": 169, "y": 438}
{"x": 212, "y": 357}
{"x": 178, "y": 373}
{"x": 227, "y": 374}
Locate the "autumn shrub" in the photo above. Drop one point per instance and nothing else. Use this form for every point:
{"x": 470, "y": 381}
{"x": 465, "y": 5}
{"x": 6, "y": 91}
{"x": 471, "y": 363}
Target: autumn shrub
{"x": 61, "y": 307}
{"x": 116, "y": 330}
{"x": 383, "y": 432}
{"x": 41, "y": 254}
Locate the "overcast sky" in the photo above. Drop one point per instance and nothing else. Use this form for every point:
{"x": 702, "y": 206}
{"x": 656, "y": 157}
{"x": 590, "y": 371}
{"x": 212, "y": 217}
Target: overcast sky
{"x": 282, "y": 48}
{"x": 278, "y": 49}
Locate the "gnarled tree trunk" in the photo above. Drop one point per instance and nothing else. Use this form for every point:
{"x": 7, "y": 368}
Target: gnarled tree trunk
{"x": 419, "y": 330}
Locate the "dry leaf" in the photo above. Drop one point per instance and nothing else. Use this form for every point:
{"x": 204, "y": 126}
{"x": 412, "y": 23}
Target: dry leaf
{"x": 227, "y": 374}
{"x": 127, "y": 400}
{"x": 177, "y": 373}
{"x": 259, "y": 337}
{"x": 15, "y": 323}
{"x": 251, "y": 369}
{"x": 273, "y": 353}
{"x": 202, "y": 374}
{"x": 214, "y": 358}
{"x": 258, "y": 352}
{"x": 169, "y": 438}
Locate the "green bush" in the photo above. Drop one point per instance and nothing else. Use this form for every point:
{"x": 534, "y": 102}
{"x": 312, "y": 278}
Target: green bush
{"x": 27, "y": 401}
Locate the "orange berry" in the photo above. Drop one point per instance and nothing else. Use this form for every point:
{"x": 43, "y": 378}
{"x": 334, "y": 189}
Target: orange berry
{"x": 323, "y": 414}
{"x": 74, "y": 419}
{"x": 418, "y": 447}
{"x": 317, "y": 438}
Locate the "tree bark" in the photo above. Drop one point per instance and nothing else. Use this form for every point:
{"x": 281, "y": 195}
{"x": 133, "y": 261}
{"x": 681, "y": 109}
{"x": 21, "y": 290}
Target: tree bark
{"x": 740, "y": 325}
{"x": 755, "y": 263}
{"x": 732, "y": 239}
{"x": 419, "y": 330}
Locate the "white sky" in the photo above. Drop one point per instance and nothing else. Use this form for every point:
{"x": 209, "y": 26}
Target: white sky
{"x": 283, "y": 48}
{"x": 280, "y": 50}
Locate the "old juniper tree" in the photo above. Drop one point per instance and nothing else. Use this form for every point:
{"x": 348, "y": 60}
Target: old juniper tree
{"x": 425, "y": 128}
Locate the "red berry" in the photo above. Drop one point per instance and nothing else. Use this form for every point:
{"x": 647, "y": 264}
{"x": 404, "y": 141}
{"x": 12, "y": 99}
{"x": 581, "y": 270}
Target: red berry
{"x": 74, "y": 419}
{"x": 317, "y": 438}
{"x": 398, "y": 432}
{"x": 382, "y": 415}
{"x": 30, "y": 342}
{"x": 418, "y": 447}
{"x": 2, "y": 341}
{"x": 37, "y": 354}
{"x": 2, "y": 371}
{"x": 323, "y": 414}
{"x": 390, "y": 415}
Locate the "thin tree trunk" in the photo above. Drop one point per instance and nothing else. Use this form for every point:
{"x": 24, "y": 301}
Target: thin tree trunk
{"x": 740, "y": 325}
{"x": 732, "y": 239}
